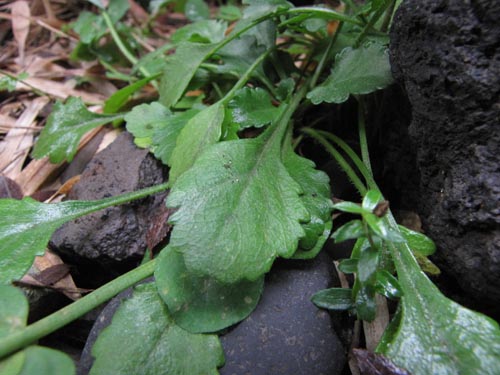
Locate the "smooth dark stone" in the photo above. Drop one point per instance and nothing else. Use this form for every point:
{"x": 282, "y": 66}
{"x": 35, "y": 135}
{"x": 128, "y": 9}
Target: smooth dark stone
{"x": 287, "y": 333}
{"x": 447, "y": 56}
{"x": 118, "y": 233}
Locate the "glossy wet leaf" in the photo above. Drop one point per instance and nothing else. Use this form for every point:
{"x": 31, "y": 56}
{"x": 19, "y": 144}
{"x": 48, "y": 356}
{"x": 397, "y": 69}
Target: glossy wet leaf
{"x": 349, "y": 265}
{"x": 381, "y": 228}
{"x": 202, "y": 304}
{"x": 356, "y": 71}
{"x": 418, "y": 242}
{"x": 350, "y": 230}
{"x": 180, "y": 69}
{"x": 65, "y": 127}
{"x": 388, "y": 285}
{"x": 450, "y": 338}
{"x": 201, "y": 131}
{"x": 143, "y": 339}
{"x": 27, "y": 225}
{"x": 238, "y": 209}
{"x": 205, "y": 31}
{"x": 371, "y": 199}
{"x": 350, "y": 207}
{"x": 252, "y": 107}
{"x": 143, "y": 121}
{"x": 334, "y": 299}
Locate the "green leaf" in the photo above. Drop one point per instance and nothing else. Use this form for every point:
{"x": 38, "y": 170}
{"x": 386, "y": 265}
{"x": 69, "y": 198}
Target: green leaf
{"x": 201, "y": 131}
{"x": 259, "y": 8}
{"x": 311, "y": 252}
{"x": 205, "y": 31}
{"x": 239, "y": 54}
{"x": 116, "y": 101}
{"x": 143, "y": 339}
{"x": 229, "y": 13}
{"x": 165, "y": 135}
{"x": 180, "y": 69}
{"x": 45, "y": 361}
{"x": 366, "y": 307}
{"x": 334, "y": 299}
{"x": 367, "y": 264}
{"x": 143, "y": 121}
{"x": 356, "y": 71}
{"x": 418, "y": 242}
{"x": 381, "y": 228}
{"x": 117, "y": 9}
{"x": 89, "y": 27}
{"x": 350, "y": 207}
{"x": 450, "y": 338}
{"x": 202, "y": 304}
{"x": 34, "y": 359}
{"x": 371, "y": 199}
{"x": 349, "y": 265}
{"x": 238, "y": 209}
{"x": 196, "y": 10}
{"x": 252, "y": 107}
{"x": 388, "y": 285}
{"x": 65, "y": 126}
{"x": 351, "y": 230}
{"x": 27, "y": 225}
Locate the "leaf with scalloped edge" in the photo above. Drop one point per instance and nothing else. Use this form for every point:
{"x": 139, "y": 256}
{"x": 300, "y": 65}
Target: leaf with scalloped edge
{"x": 252, "y": 107}
{"x": 65, "y": 127}
{"x": 356, "y": 71}
{"x": 143, "y": 339}
{"x": 238, "y": 209}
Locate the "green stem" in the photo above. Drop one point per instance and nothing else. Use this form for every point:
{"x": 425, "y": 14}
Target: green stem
{"x": 325, "y": 13}
{"x": 339, "y": 158}
{"x": 59, "y": 319}
{"x": 370, "y": 24}
{"x": 363, "y": 141}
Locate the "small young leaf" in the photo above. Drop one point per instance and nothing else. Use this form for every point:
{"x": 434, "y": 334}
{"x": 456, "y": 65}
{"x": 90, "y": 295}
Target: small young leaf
{"x": 202, "y": 304}
{"x": 116, "y": 101}
{"x": 381, "y": 228}
{"x": 371, "y": 199}
{"x": 143, "y": 339}
{"x": 418, "y": 242}
{"x": 89, "y": 27}
{"x": 252, "y": 107}
{"x": 196, "y": 10}
{"x": 367, "y": 264}
{"x": 451, "y": 339}
{"x": 349, "y": 265}
{"x": 203, "y": 130}
{"x": 388, "y": 285}
{"x": 205, "y": 31}
{"x": 180, "y": 69}
{"x": 310, "y": 253}
{"x": 144, "y": 119}
{"x": 334, "y": 299}
{"x": 238, "y": 209}
{"x": 65, "y": 126}
{"x": 356, "y": 71}
{"x": 351, "y": 230}
{"x": 366, "y": 307}
{"x": 350, "y": 207}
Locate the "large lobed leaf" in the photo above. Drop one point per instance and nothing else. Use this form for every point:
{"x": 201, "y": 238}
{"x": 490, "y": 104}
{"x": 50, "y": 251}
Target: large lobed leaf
{"x": 143, "y": 339}
{"x": 356, "y": 71}
{"x": 238, "y": 209}
{"x": 65, "y": 127}
{"x": 202, "y": 304}
{"x": 34, "y": 359}
{"x": 434, "y": 335}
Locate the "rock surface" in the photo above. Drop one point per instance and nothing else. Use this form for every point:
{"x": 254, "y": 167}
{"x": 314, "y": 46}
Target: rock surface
{"x": 447, "y": 56}
{"x": 287, "y": 334}
{"x": 115, "y": 234}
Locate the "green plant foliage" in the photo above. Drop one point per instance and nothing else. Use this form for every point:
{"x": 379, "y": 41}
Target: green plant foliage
{"x": 252, "y": 107}
{"x": 196, "y": 10}
{"x": 27, "y": 225}
{"x": 204, "y": 31}
{"x": 116, "y": 101}
{"x": 239, "y": 54}
{"x": 238, "y": 209}
{"x": 143, "y": 339}
{"x": 418, "y": 242}
{"x": 65, "y": 126}
{"x": 450, "y": 338}
{"x": 202, "y": 304}
{"x": 144, "y": 120}
{"x": 34, "y": 359}
{"x": 356, "y": 71}
{"x": 201, "y": 131}
{"x": 351, "y": 230}
{"x": 229, "y": 13}
{"x": 180, "y": 69}
{"x": 334, "y": 299}
{"x": 259, "y": 8}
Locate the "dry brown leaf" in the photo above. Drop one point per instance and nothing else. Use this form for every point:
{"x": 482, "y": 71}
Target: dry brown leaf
{"x": 64, "y": 189}
{"x": 20, "y": 11}
{"x": 17, "y": 143}
{"x": 375, "y": 329}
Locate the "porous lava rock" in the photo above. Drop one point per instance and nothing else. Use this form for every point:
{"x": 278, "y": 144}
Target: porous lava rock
{"x": 116, "y": 234}
{"x": 446, "y": 54}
